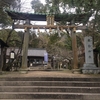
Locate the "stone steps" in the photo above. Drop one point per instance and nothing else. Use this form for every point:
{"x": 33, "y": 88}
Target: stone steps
{"x": 45, "y": 95}
{"x": 49, "y": 79}
{"x": 49, "y": 88}
{"x": 41, "y": 99}
{"x": 50, "y": 83}
{"x": 66, "y": 89}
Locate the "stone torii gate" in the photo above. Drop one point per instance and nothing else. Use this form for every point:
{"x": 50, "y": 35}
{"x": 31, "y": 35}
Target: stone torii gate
{"x": 50, "y": 25}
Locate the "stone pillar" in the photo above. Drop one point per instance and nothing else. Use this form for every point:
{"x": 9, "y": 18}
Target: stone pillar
{"x": 24, "y": 65}
{"x": 89, "y": 58}
{"x": 89, "y": 66}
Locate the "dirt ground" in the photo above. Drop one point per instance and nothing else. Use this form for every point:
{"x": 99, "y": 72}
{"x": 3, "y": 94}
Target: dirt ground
{"x": 47, "y": 73}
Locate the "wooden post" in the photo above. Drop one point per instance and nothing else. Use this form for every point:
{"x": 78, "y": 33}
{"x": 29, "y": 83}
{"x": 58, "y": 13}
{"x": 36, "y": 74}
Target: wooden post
{"x": 25, "y": 49}
{"x": 1, "y": 59}
{"x": 50, "y": 20}
{"x": 74, "y": 47}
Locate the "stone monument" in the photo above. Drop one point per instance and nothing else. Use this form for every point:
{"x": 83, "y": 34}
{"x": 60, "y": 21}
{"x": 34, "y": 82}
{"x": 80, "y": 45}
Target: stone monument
{"x": 89, "y": 66}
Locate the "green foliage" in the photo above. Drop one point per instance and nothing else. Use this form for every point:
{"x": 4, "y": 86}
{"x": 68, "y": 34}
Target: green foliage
{"x": 7, "y": 4}
{"x": 51, "y": 6}
{"x": 80, "y": 39}
{"x": 67, "y": 10}
{"x": 53, "y": 38}
{"x": 34, "y": 43}
{"x": 14, "y": 40}
{"x": 37, "y": 6}
{"x": 68, "y": 42}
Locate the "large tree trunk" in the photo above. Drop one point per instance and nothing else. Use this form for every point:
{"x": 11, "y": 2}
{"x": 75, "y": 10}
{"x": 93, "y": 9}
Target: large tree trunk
{"x": 4, "y": 59}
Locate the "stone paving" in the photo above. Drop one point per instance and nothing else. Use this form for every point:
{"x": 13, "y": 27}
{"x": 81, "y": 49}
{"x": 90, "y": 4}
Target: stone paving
{"x": 48, "y": 73}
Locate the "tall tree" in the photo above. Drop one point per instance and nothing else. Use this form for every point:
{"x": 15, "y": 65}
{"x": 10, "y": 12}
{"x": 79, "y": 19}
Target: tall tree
{"x": 37, "y": 6}
{"x": 7, "y": 4}
{"x": 51, "y": 6}
{"x": 14, "y": 40}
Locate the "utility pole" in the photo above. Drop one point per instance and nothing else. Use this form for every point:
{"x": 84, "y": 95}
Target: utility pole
{"x": 25, "y": 49}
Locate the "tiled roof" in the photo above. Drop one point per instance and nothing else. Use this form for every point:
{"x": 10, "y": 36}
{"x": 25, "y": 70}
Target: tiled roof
{"x": 42, "y": 17}
{"x": 31, "y": 52}
{"x": 36, "y": 52}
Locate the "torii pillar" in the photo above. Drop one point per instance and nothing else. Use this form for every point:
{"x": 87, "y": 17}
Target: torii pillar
{"x": 24, "y": 66}
{"x": 75, "y": 52}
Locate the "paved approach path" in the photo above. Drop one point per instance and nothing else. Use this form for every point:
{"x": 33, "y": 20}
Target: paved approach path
{"x": 63, "y": 73}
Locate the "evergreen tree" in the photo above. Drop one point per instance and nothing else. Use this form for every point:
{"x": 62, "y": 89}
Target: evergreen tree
{"x": 4, "y": 5}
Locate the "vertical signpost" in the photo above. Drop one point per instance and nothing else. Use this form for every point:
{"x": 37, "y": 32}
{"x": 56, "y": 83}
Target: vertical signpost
{"x": 89, "y": 58}
{"x": 89, "y": 66}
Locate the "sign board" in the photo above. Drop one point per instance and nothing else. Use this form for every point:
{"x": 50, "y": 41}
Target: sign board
{"x": 88, "y": 42}
{"x": 12, "y": 55}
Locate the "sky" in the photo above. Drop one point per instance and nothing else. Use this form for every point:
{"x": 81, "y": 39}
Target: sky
{"x": 26, "y": 6}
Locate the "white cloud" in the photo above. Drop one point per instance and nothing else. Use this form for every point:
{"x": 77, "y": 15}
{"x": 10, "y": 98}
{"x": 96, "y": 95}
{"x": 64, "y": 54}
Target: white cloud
{"x": 26, "y": 6}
